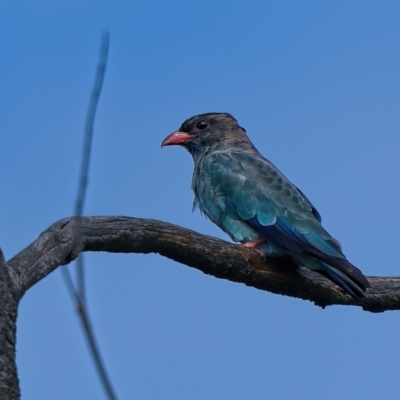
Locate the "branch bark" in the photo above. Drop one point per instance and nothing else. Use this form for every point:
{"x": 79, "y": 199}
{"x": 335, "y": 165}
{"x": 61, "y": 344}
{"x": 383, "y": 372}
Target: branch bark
{"x": 9, "y": 386}
{"x": 66, "y": 239}
{"x": 63, "y": 241}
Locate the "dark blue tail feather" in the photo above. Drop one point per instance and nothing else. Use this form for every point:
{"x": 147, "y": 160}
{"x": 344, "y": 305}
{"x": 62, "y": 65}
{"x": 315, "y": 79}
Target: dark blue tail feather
{"x": 345, "y": 282}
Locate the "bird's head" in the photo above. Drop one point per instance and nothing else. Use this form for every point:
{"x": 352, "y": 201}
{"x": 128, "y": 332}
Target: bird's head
{"x": 205, "y": 131}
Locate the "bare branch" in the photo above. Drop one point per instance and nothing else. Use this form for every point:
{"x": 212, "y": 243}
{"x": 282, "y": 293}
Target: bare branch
{"x": 62, "y": 243}
{"x": 9, "y": 388}
{"x": 78, "y": 295}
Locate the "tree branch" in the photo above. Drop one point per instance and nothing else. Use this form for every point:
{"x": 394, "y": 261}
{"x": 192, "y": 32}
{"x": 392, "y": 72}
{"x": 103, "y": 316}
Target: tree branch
{"x": 78, "y": 294}
{"x": 63, "y": 241}
{"x": 9, "y": 388}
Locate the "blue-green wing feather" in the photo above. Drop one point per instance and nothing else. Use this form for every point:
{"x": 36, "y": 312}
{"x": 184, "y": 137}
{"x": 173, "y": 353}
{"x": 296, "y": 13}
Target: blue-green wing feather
{"x": 253, "y": 190}
{"x": 249, "y": 188}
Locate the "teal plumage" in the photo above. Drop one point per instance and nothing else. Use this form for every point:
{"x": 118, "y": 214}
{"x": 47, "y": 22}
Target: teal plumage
{"x": 251, "y": 200}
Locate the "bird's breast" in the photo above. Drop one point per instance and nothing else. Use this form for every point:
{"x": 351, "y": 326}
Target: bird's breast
{"x": 211, "y": 202}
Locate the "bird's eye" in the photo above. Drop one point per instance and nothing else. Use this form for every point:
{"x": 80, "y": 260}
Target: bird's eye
{"x": 202, "y": 124}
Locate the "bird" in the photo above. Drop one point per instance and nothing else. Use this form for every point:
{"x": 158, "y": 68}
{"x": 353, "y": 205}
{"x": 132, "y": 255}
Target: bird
{"x": 247, "y": 196}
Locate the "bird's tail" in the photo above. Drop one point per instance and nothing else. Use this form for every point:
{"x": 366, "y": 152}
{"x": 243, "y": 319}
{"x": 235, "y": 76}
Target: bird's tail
{"x": 351, "y": 279}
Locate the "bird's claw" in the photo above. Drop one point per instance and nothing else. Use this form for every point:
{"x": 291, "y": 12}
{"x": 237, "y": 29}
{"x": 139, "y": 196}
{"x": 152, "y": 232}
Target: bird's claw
{"x": 252, "y": 244}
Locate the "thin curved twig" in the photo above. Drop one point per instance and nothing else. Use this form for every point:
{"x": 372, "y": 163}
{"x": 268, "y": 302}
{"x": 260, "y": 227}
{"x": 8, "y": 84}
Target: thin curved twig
{"x": 78, "y": 293}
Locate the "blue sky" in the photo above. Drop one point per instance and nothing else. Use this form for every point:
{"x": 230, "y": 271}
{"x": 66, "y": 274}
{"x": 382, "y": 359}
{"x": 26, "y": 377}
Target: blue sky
{"x": 316, "y": 85}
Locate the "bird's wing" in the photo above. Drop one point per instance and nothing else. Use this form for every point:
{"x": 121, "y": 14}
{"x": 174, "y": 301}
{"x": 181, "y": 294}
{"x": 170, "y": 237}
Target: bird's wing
{"x": 250, "y": 188}
{"x": 254, "y": 190}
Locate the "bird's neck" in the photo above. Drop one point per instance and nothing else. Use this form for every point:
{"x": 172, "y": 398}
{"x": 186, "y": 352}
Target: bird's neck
{"x": 242, "y": 146}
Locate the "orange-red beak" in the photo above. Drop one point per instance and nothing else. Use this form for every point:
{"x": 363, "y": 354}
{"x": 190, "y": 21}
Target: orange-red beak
{"x": 175, "y": 138}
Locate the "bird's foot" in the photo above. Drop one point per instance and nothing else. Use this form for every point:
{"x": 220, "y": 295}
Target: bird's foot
{"x": 252, "y": 244}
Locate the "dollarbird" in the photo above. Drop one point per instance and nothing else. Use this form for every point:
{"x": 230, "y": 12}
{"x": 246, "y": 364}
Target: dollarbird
{"x": 255, "y": 204}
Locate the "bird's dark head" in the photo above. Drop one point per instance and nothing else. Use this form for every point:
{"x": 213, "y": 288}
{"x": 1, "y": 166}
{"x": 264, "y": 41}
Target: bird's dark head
{"x": 204, "y": 131}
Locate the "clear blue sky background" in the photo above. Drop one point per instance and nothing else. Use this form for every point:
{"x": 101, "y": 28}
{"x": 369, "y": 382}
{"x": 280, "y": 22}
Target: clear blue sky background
{"x": 317, "y": 86}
